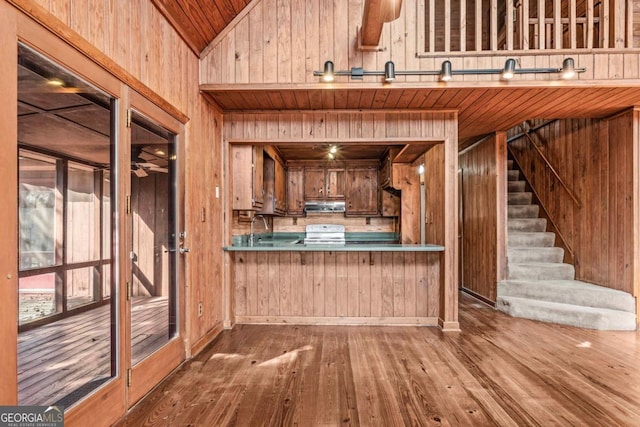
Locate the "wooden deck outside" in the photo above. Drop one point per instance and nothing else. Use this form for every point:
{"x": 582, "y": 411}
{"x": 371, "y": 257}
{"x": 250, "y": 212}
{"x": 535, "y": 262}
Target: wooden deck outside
{"x": 62, "y": 361}
{"x": 497, "y": 371}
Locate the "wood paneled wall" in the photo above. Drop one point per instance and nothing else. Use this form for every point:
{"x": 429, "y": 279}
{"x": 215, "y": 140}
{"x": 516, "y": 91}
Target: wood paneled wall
{"x": 596, "y": 160}
{"x": 483, "y": 196}
{"x": 314, "y": 126}
{"x": 284, "y": 41}
{"x": 337, "y": 287}
{"x": 135, "y": 37}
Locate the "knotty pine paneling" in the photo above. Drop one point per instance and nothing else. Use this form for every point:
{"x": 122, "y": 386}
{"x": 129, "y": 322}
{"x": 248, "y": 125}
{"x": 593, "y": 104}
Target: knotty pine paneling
{"x": 483, "y": 198}
{"x": 595, "y": 159}
{"x": 137, "y": 38}
{"x": 314, "y": 31}
{"x": 314, "y": 126}
{"x": 336, "y": 287}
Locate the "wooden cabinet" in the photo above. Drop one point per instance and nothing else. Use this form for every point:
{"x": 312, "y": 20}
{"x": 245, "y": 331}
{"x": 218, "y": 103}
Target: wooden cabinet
{"x": 322, "y": 183}
{"x": 334, "y": 183}
{"x": 247, "y": 174}
{"x": 295, "y": 191}
{"x": 361, "y": 191}
{"x": 281, "y": 188}
{"x": 275, "y": 196}
{"x": 389, "y": 204}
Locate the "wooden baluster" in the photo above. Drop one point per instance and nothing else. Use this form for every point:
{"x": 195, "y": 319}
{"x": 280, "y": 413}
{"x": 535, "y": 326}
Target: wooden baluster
{"x": 604, "y": 23}
{"x": 572, "y": 24}
{"x": 509, "y": 21}
{"x": 629, "y": 24}
{"x": 447, "y": 26}
{"x": 478, "y": 25}
{"x": 557, "y": 24}
{"x": 589, "y": 31}
{"x": 494, "y": 25}
{"x": 432, "y": 26}
{"x": 525, "y": 24}
{"x": 463, "y": 25}
{"x": 541, "y": 25}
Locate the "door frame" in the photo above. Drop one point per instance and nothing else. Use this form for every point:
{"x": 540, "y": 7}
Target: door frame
{"x": 45, "y": 34}
{"x": 150, "y": 371}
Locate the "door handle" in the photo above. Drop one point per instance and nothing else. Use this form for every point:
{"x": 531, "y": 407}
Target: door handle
{"x": 184, "y": 250}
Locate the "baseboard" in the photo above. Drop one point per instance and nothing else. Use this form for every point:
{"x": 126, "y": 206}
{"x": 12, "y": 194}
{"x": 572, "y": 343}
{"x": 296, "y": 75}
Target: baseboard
{"x": 478, "y": 297}
{"x": 371, "y": 321}
{"x": 206, "y": 339}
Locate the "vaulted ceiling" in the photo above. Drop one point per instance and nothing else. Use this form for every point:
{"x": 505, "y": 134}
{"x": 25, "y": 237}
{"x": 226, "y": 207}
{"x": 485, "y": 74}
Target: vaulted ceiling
{"x": 199, "y": 22}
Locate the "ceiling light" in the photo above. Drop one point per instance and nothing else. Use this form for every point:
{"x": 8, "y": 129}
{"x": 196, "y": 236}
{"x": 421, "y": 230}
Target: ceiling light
{"x": 509, "y": 69}
{"x": 160, "y": 152}
{"x": 445, "y": 72}
{"x": 389, "y": 71}
{"x": 55, "y": 82}
{"x": 421, "y": 169}
{"x": 568, "y": 69}
{"x": 328, "y": 75}
{"x": 331, "y": 156}
{"x": 333, "y": 149}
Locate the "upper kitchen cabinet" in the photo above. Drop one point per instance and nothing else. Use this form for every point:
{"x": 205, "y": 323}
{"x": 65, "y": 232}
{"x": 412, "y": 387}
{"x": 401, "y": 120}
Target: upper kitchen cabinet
{"x": 295, "y": 191}
{"x": 324, "y": 183}
{"x": 361, "y": 191}
{"x": 248, "y": 177}
{"x": 275, "y": 190}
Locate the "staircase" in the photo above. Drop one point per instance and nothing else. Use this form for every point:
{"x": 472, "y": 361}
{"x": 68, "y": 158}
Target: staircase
{"x": 540, "y": 286}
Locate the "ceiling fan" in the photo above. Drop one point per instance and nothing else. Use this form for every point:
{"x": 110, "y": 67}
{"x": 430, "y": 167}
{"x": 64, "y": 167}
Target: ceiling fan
{"x": 140, "y": 166}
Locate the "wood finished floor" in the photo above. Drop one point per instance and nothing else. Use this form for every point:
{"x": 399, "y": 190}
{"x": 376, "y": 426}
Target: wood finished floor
{"x": 498, "y": 371}
{"x": 68, "y": 355}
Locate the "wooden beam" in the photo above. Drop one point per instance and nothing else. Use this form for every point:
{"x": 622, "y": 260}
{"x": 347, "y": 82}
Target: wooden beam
{"x": 376, "y": 13}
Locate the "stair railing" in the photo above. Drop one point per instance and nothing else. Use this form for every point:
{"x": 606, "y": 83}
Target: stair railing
{"x": 570, "y": 256}
{"x": 572, "y": 195}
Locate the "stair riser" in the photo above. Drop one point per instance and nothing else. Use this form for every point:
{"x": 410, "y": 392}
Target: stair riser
{"x": 527, "y": 224}
{"x": 515, "y": 186}
{"x": 555, "y": 272}
{"x": 535, "y": 255}
{"x": 519, "y": 198}
{"x": 568, "y": 315}
{"x": 513, "y": 175}
{"x": 523, "y": 211}
{"x": 567, "y": 294}
{"x": 533, "y": 240}
{"x": 509, "y": 164}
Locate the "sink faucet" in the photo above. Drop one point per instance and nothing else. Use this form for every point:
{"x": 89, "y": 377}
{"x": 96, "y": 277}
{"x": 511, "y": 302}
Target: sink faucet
{"x": 266, "y": 227}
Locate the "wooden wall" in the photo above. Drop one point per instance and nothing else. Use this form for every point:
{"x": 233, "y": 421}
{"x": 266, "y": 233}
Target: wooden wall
{"x": 316, "y": 126}
{"x": 484, "y": 215}
{"x": 165, "y": 65}
{"x": 322, "y": 287}
{"x": 284, "y": 41}
{"x": 595, "y": 159}
{"x": 133, "y": 42}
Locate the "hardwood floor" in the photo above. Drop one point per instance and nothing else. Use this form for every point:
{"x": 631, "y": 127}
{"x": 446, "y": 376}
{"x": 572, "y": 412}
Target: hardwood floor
{"x": 60, "y": 362}
{"x": 497, "y": 371}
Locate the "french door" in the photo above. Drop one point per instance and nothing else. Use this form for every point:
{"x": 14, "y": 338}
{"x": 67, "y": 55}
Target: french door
{"x": 155, "y": 221}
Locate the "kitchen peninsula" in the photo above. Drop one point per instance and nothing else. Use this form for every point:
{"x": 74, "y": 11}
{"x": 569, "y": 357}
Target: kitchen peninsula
{"x": 394, "y": 264}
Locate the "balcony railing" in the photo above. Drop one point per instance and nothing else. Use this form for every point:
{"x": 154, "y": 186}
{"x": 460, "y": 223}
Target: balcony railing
{"x": 452, "y": 26}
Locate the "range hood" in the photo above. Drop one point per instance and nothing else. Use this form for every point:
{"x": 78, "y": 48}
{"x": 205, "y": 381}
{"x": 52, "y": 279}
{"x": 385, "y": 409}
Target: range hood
{"x": 324, "y": 206}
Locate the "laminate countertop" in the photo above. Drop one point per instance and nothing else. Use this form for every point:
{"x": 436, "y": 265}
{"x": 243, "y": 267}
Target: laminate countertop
{"x": 355, "y": 242}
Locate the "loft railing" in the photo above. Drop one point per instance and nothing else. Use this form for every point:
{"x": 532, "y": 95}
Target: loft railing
{"x": 450, "y": 26}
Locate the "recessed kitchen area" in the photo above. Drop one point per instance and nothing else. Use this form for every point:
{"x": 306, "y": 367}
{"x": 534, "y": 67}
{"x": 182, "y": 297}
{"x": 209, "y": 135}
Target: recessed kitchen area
{"x": 336, "y": 230}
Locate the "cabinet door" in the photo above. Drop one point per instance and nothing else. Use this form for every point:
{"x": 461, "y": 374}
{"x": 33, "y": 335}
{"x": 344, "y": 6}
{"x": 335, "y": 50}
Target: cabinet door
{"x": 242, "y": 176}
{"x": 295, "y": 191}
{"x": 258, "y": 177}
{"x": 362, "y": 191}
{"x": 314, "y": 183}
{"x": 335, "y": 179}
{"x": 280, "y": 191}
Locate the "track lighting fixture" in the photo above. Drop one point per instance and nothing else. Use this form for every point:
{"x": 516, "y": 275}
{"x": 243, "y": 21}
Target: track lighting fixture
{"x": 389, "y": 72}
{"x": 446, "y": 72}
{"x": 509, "y": 69}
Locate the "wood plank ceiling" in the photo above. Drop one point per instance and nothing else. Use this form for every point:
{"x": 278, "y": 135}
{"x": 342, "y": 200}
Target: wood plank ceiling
{"x": 482, "y": 109}
{"x": 199, "y": 22}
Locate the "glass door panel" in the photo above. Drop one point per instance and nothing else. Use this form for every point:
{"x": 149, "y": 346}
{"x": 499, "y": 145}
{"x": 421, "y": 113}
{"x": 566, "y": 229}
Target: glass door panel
{"x": 153, "y": 237}
{"x": 67, "y": 339}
